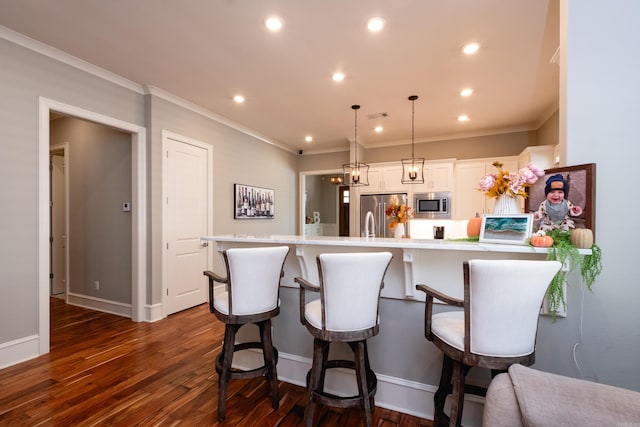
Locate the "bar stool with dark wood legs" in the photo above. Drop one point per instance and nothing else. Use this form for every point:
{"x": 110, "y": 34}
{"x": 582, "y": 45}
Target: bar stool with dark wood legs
{"x": 251, "y": 296}
{"x": 347, "y": 311}
{"x": 495, "y": 329}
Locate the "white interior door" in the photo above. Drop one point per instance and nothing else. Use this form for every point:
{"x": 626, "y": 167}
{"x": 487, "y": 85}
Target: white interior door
{"x": 58, "y": 225}
{"x": 187, "y": 171}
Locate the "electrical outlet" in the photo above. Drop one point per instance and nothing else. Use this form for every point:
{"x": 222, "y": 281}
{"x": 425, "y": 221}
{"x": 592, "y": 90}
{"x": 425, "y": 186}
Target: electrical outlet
{"x": 97, "y": 284}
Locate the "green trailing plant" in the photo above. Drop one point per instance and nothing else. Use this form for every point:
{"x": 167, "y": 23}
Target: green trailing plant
{"x": 566, "y": 252}
{"x": 591, "y": 266}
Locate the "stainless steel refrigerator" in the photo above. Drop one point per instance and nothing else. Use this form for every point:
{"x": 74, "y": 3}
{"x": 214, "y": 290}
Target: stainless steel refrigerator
{"x": 373, "y": 221}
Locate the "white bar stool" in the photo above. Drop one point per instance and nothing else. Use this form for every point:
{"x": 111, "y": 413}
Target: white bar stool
{"x": 347, "y": 311}
{"x": 496, "y": 328}
{"x": 251, "y": 296}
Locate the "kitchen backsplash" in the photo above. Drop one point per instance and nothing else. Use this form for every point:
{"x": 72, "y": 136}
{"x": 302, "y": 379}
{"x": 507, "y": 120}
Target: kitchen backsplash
{"x": 423, "y": 228}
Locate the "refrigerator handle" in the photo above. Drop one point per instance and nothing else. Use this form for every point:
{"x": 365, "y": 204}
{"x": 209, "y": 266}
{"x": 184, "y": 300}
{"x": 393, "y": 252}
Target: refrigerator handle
{"x": 381, "y": 218}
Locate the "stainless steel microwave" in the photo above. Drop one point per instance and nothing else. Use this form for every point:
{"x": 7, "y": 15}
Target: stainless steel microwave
{"x": 435, "y": 205}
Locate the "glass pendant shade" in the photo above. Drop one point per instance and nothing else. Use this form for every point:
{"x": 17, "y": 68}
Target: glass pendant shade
{"x": 356, "y": 173}
{"x": 413, "y": 168}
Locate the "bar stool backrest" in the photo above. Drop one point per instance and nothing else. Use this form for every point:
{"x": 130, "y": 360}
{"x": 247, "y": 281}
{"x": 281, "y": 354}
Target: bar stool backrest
{"x": 254, "y": 278}
{"x": 504, "y": 300}
{"x": 350, "y": 289}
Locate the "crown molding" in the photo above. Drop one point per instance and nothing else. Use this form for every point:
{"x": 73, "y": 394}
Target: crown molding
{"x": 53, "y": 53}
{"x": 161, "y": 93}
{"x": 65, "y": 58}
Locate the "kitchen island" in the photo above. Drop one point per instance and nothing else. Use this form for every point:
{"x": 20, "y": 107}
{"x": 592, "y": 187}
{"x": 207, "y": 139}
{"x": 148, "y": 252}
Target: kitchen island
{"x": 407, "y": 365}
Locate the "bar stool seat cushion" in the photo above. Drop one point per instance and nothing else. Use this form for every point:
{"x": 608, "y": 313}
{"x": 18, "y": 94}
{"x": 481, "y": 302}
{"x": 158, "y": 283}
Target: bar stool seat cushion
{"x": 313, "y": 316}
{"x": 449, "y": 327}
{"x": 221, "y": 303}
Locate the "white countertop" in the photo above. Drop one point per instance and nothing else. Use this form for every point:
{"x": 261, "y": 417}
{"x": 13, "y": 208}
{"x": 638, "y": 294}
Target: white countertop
{"x": 431, "y": 244}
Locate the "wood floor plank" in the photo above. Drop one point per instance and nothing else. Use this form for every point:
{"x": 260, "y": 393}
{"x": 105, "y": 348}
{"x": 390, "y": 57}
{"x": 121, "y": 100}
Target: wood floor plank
{"x": 104, "y": 370}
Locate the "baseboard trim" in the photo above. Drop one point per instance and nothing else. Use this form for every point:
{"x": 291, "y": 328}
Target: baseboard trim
{"x": 153, "y": 313}
{"x": 20, "y": 350}
{"x": 99, "y": 304}
{"x": 396, "y": 394}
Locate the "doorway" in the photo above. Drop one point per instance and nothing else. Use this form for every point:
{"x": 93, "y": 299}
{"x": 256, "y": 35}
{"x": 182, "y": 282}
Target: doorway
{"x": 138, "y": 214}
{"x": 343, "y": 210}
{"x": 321, "y": 204}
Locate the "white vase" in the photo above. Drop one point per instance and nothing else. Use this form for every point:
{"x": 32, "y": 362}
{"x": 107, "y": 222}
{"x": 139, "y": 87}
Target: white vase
{"x": 399, "y": 231}
{"x": 506, "y": 204}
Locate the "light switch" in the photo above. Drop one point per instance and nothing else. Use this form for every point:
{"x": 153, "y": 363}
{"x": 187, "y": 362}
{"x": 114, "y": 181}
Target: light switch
{"x": 126, "y": 207}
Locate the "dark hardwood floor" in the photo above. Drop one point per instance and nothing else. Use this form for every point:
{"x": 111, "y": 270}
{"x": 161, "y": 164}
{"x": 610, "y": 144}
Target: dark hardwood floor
{"x": 106, "y": 370}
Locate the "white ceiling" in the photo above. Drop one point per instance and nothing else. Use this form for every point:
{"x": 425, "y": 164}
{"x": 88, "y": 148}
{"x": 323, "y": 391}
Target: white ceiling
{"x": 206, "y": 51}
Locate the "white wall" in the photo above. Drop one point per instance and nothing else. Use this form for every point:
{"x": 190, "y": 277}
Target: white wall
{"x": 601, "y": 64}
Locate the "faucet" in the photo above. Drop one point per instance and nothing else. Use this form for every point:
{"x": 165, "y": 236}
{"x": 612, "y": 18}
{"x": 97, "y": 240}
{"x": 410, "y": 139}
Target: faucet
{"x": 369, "y": 225}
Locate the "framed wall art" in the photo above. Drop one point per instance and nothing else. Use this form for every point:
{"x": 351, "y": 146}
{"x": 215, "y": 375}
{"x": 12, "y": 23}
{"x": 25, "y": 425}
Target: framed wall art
{"x": 253, "y": 202}
{"x": 513, "y": 229}
{"x": 581, "y": 183}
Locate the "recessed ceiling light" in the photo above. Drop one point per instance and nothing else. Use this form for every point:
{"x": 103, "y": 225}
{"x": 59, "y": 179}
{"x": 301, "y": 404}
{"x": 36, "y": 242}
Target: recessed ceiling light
{"x": 273, "y": 23}
{"x": 375, "y": 24}
{"x": 338, "y": 77}
{"x": 466, "y": 91}
{"x": 471, "y": 48}
{"x": 239, "y": 99}
{"x": 308, "y": 138}
{"x": 463, "y": 118}
{"x": 378, "y": 129}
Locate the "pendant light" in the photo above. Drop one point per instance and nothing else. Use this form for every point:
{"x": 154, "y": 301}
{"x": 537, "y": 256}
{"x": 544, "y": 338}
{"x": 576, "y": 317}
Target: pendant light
{"x": 358, "y": 172}
{"x": 413, "y": 168}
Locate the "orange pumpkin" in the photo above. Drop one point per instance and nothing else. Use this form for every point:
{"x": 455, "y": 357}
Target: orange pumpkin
{"x": 473, "y": 226}
{"x": 541, "y": 241}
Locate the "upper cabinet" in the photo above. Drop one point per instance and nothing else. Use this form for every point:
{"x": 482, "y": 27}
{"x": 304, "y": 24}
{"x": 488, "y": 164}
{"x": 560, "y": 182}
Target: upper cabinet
{"x": 541, "y": 156}
{"x": 467, "y": 199}
{"x": 385, "y": 178}
{"x": 438, "y": 176}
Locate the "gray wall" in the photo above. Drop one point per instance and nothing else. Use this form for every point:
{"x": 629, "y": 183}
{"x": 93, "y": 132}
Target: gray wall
{"x": 99, "y": 167}
{"x": 237, "y": 158}
{"x": 24, "y": 77}
{"x": 506, "y": 144}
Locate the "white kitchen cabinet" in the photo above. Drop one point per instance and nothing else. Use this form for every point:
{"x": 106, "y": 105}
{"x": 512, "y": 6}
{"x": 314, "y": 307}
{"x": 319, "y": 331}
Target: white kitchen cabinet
{"x": 540, "y": 155}
{"x": 385, "y": 178}
{"x": 467, "y": 199}
{"x": 438, "y": 176}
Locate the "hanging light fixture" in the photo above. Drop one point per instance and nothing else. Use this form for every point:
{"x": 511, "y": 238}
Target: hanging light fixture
{"x": 336, "y": 180}
{"x": 413, "y": 168}
{"x": 358, "y": 172}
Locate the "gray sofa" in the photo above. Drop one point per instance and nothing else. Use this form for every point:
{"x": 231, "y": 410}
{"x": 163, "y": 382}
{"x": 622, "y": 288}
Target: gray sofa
{"x": 527, "y": 397}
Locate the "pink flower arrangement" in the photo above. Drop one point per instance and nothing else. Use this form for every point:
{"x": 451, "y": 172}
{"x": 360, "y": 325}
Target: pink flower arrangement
{"x": 512, "y": 183}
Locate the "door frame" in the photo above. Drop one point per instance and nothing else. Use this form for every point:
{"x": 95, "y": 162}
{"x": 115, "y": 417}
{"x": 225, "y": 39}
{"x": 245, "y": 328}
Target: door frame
{"x": 64, "y": 147}
{"x": 166, "y": 136}
{"x": 302, "y": 180}
{"x": 138, "y": 219}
